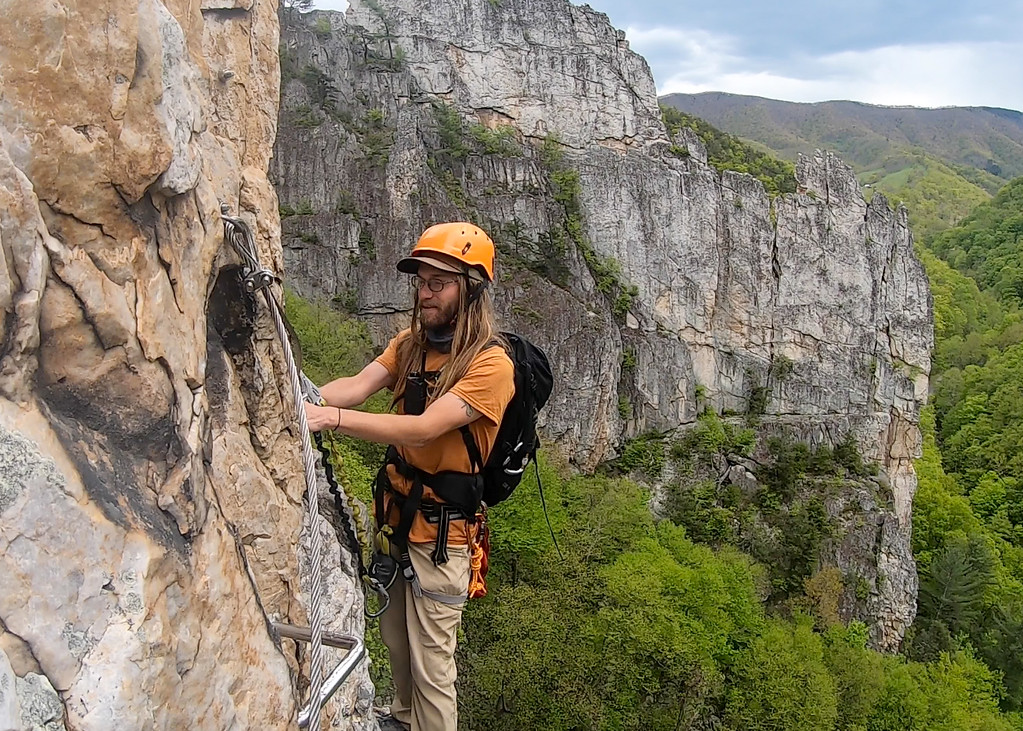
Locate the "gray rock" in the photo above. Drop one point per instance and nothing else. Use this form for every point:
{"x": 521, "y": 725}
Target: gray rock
{"x": 742, "y": 478}
{"x": 870, "y": 548}
{"x": 180, "y": 105}
{"x": 22, "y": 467}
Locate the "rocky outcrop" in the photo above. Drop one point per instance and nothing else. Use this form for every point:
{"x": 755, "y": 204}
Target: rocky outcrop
{"x": 150, "y": 479}
{"x": 654, "y": 282}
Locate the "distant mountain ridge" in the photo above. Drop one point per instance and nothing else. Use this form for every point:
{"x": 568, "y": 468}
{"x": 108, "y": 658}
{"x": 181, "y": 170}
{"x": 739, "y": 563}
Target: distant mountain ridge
{"x": 939, "y": 162}
{"x": 987, "y": 138}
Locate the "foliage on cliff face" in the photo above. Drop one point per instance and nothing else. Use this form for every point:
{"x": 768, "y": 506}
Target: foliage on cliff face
{"x": 726, "y": 152}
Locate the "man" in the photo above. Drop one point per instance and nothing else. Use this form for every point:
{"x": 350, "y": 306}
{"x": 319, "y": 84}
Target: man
{"x": 451, "y": 386}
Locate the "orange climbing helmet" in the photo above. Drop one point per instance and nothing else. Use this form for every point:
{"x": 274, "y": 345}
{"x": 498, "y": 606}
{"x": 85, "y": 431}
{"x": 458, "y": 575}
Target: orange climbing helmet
{"x": 453, "y": 247}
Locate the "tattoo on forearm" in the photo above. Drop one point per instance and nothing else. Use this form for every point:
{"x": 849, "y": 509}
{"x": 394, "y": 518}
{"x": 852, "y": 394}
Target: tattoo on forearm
{"x": 469, "y": 411}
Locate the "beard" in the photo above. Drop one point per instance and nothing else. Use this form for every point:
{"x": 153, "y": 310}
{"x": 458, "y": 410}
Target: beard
{"x": 437, "y": 317}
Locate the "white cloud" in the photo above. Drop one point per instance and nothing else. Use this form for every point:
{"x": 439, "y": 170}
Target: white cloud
{"x": 952, "y": 74}
{"x": 693, "y": 52}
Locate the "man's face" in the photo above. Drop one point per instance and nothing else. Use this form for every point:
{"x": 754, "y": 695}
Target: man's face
{"x": 437, "y": 309}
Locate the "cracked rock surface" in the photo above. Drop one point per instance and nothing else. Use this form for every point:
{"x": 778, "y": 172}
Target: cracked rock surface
{"x": 150, "y": 478}
{"x": 813, "y": 301}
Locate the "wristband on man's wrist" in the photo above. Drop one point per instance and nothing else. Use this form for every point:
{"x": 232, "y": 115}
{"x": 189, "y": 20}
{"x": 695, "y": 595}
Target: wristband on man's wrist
{"x": 338, "y": 420}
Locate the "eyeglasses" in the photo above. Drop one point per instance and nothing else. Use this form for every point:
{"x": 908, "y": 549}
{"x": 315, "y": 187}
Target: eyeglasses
{"x": 434, "y": 285}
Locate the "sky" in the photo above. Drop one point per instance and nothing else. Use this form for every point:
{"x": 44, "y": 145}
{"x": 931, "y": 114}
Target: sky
{"x": 899, "y": 52}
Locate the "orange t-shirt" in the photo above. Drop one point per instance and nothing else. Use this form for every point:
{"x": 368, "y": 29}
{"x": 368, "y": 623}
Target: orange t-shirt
{"x": 487, "y": 386}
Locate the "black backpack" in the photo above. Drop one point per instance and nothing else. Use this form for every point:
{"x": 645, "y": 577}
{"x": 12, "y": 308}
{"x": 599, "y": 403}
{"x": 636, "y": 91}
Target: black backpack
{"x": 517, "y": 440}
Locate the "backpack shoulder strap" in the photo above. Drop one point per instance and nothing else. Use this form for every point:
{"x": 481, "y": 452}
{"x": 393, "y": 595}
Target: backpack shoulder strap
{"x": 475, "y": 458}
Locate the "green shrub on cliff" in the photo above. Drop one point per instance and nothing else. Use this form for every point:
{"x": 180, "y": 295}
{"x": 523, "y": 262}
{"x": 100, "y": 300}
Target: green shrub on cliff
{"x": 726, "y": 152}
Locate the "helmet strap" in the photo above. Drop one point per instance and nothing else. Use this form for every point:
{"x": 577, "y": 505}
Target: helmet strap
{"x": 474, "y": 290}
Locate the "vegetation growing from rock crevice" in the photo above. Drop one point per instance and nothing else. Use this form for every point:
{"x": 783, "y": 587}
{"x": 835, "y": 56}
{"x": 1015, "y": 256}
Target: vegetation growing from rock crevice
{"x": 304, "y": 208}
{"x": 455, "y": 141}
{"x": 606, "y": 271}
{"x": 391, "y": 59}
{"x": 726, "y": 152}
{"x": 776, "y": 512}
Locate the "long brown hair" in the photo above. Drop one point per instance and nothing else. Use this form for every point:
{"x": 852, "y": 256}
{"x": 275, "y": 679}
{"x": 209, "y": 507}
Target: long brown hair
{"x": 475, "y": 329}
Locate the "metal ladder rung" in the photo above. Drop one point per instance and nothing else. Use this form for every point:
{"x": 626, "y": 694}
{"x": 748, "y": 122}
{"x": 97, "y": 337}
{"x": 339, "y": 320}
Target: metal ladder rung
{"x": 356, "y": 652}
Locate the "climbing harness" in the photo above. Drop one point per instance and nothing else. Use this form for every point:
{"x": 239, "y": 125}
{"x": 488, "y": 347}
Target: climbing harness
{"x": 257, "y": 278}
{"x": 465, "y": 495}
{"x": 392, "y": 541}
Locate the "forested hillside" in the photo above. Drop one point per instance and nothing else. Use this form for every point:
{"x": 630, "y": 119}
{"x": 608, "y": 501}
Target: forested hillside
{"x": 968, "y": 531}
{"x": 940, "y": 162}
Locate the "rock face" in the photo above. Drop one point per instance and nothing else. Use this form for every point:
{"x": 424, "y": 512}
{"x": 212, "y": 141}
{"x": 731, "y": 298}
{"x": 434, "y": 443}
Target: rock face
{"x": 150, "y": 479}
{"x": 653, "y": 281}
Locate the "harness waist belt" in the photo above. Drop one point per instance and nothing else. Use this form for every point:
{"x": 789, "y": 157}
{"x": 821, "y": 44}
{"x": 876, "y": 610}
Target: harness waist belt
{"x": 459, "y": 490}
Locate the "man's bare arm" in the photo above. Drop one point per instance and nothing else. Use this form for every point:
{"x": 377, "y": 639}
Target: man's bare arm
{"x": 354, "y": 390}
{"x": 447, "y": 413}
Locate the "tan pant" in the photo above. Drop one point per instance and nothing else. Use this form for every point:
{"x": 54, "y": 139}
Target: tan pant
{"x": 420, "y": 634}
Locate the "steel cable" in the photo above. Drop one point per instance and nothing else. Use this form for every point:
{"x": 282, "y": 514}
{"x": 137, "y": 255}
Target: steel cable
{"x": 239, "y": 235}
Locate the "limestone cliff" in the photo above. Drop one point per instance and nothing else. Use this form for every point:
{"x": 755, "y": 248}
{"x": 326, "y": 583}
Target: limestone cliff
{"x": 150, "y": 479}
{"x": 653, "y": 281}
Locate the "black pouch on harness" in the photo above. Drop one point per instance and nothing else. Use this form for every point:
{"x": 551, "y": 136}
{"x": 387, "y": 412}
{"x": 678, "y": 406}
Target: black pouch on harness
{"x": 383, "y": 568}
{"x": 417, "y": 389}
{"x": 415, "y": 394}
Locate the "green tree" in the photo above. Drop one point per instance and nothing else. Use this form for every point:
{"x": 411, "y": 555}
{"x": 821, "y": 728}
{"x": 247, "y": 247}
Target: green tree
{"x": 782, "y": 682}
{"x": 954, "y": 587}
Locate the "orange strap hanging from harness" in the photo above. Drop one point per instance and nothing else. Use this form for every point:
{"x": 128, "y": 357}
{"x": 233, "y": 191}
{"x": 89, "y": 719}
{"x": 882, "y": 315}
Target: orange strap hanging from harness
{"x": 479, "y": 557}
